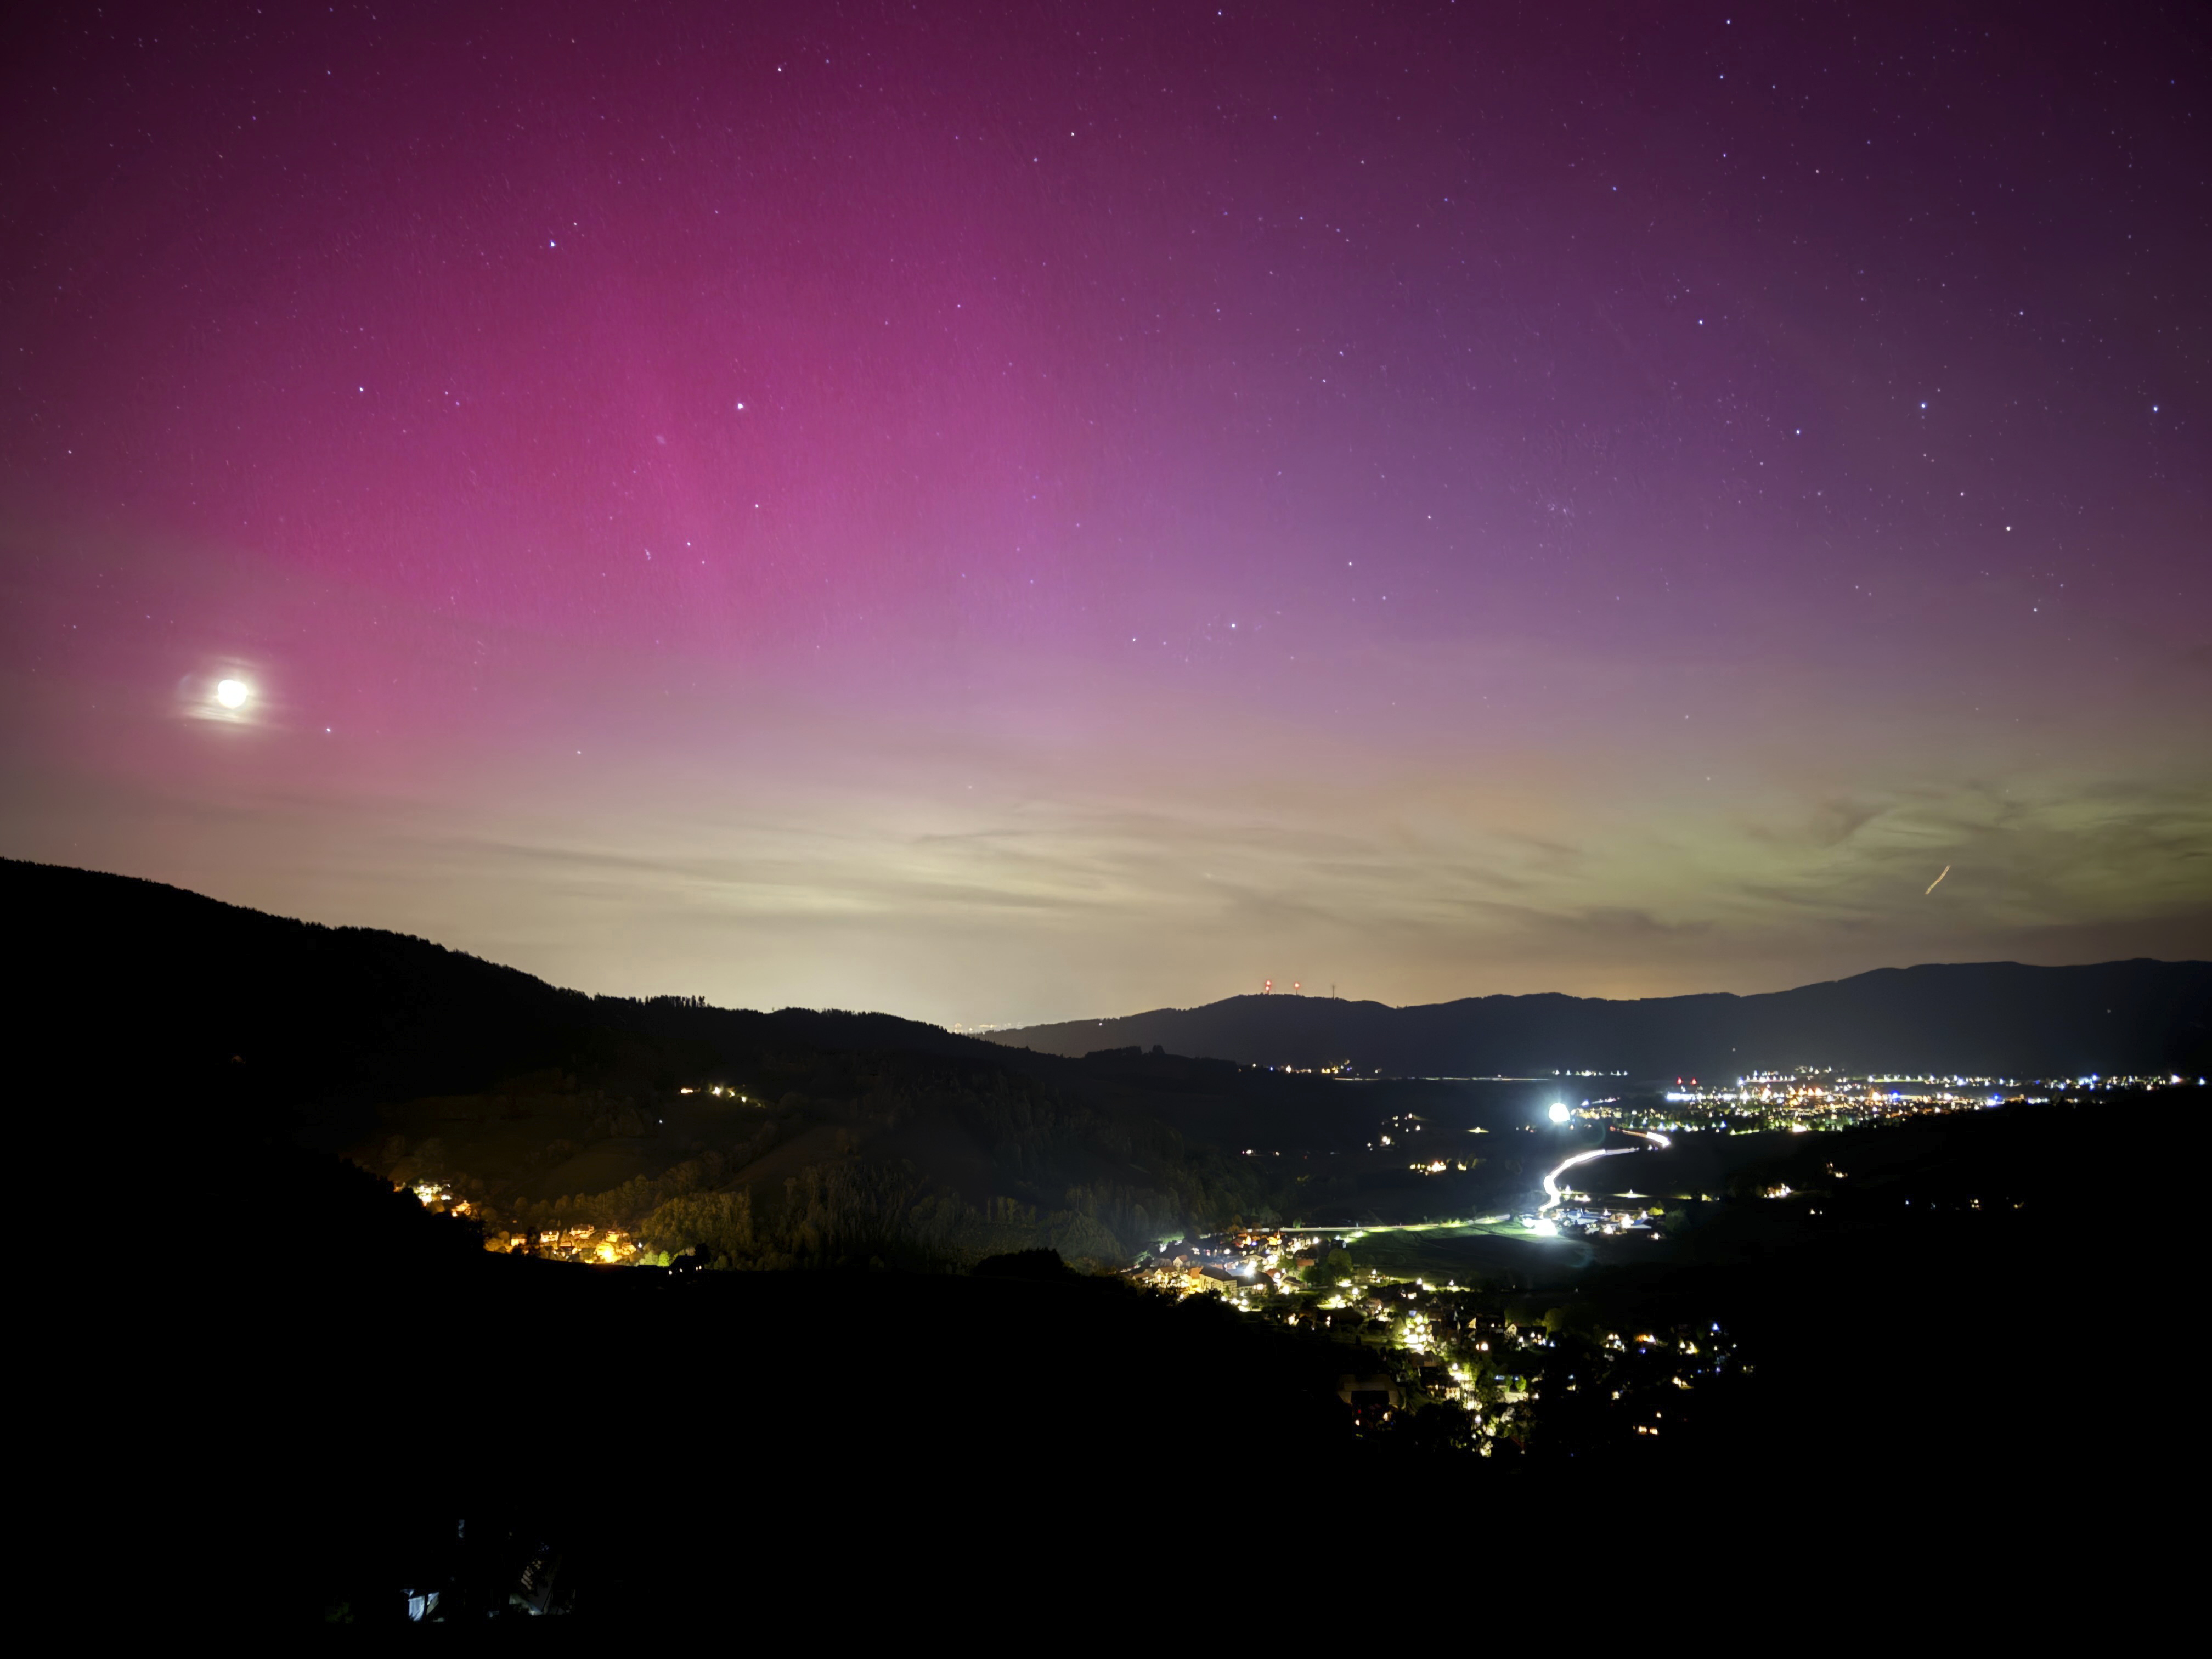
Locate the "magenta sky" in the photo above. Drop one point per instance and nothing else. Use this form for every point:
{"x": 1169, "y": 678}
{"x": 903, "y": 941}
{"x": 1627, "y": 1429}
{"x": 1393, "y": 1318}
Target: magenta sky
{"x": 1002, "y": 514}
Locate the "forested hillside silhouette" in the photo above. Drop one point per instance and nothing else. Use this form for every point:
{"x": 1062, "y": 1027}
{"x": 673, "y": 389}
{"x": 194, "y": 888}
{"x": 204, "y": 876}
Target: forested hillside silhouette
{"x": 1991, "y": 1018}
{"x": 195, "y": 1027}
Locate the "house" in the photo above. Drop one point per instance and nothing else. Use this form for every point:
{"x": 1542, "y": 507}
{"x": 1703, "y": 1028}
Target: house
{"x": 1379, "y": 1388}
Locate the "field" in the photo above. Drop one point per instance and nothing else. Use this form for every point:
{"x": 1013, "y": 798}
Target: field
{"x": 1490, "y": 1254}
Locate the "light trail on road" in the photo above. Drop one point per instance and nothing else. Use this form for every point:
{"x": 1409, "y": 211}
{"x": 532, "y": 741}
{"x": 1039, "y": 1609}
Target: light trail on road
{"x": 1659, "y": 1143}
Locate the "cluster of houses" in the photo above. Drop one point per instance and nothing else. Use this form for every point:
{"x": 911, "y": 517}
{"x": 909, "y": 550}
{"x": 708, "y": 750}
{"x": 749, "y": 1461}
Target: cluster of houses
{"x": 609, "y": 1247}
{"x": 1442, "y": 1350}
{"x": 1578, "y": 1221}
{"x": 1422, "y": 1344}
{"x": 1814, "y": 1098}
{"x": 437, "y": 1196}
{"x": 1494, "y": 1367}
{"x": 1239, "y": 1266}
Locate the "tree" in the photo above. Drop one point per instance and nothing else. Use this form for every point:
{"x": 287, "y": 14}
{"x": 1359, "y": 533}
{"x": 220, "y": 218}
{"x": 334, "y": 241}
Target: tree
{"x": 718, "y": 1225}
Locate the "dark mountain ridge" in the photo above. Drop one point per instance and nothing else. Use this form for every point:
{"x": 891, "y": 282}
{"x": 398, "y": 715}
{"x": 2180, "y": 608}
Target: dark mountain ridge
{"x": 190, "y": 1031}
{"x": 2000, "y": 1018}
{"x": 346, "y": 1015}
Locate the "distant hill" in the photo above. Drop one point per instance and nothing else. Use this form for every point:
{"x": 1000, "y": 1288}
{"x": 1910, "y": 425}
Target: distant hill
{"x": 1993, "y": 1018}
{"x": 333, "y": 1017}
{"x": 186, "y": 1033}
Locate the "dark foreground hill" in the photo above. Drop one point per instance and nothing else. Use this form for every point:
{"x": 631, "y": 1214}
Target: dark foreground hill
{"x": 1996, "y": 1019}
{"x": 368, "y": 1403}
{"x": 396, "y": 1409}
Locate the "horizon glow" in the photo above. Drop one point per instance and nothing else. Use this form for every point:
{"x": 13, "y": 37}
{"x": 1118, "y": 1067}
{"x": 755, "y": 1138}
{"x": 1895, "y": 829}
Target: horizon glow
{"x": 1003, "y": 515}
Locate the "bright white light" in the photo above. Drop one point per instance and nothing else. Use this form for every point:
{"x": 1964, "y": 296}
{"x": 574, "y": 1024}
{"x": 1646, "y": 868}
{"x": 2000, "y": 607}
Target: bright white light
{"x": 1559, "y": 1112}
{"x": 233, "y": 694}
{"x": 1546, "y": 1229}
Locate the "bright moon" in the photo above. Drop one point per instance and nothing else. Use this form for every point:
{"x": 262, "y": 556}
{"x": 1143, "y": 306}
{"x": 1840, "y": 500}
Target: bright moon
{"x": 231, "y": 694}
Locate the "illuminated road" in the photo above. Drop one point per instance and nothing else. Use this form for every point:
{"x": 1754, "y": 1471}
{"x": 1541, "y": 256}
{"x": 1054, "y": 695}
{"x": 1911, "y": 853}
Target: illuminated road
{"x": 1555, "y": 1197}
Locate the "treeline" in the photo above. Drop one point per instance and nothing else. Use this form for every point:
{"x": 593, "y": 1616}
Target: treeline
{"x": 1095, "y": 1186}
{"x": 832, "y": 1214}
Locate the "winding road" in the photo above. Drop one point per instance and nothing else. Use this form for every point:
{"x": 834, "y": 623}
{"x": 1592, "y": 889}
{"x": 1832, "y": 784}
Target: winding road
{"x": 1554, "y": 1197}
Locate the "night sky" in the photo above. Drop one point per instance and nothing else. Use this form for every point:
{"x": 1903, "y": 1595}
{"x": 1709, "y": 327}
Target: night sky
{"x": 1012, "y": 514}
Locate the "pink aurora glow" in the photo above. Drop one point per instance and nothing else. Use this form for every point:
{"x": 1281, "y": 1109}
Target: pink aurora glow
{"x": 1044, "y": 511}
